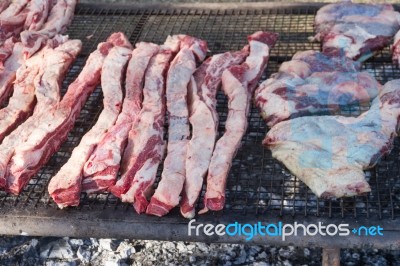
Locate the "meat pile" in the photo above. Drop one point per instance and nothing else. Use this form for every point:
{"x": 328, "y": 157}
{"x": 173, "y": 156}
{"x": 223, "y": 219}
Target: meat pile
{"x": 167, "y": 81}
{"x": 31, "y": 74}
{"x": 329, "y": 153}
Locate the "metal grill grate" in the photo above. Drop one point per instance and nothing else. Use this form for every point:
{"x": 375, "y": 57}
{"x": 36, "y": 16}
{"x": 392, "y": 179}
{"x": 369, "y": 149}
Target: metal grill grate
{"x": 258, "y": 185}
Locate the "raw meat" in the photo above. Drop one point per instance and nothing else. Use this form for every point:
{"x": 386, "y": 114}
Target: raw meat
{"x": 300, "y": 88}
{"x": 355, "y": 30}
{"x": 37, "y": 15}
{"x": 6, "y": 50}
{"x": 179, "y": 74}
{"x": 101, "y": 170}
{"x": 4, "y": 4}
{"x": 59, "y": 18}
{"x": 145, "y": 147}
{"x": 23, "y": 100}
{"x": 204, "y": 120}
{"x": 12, "y": 19}
{"x": 7, "y": 74}
{"x": 396, "y": 48}
{"x": 47, "y": 90}
{"x": 238, "y": 83}
{"x": 69, "y": 178}
{"x": 329, "y": 153}
{"x": 53, "y": 126}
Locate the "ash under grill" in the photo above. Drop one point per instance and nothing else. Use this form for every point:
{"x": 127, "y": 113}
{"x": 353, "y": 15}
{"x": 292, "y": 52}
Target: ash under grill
{"x": 258, "y": 186}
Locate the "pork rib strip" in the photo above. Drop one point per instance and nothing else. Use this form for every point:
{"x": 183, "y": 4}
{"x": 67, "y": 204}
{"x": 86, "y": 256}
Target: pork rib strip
{"x": 101, "y": 170}
{"x": 47, "y": 90}
{"x": 37, "y": 14}
{"x": 53, "y": 126}
{"x": 23, "y": 100}
{"x": 7, "y": 74}
{"x": 179, "y": 74}
{"x": 12, "y": 19}
{"x": 329, "y": 153}
{"x": 204, "y": 120}
{"x": 59, "y": 19}
{"x": 355, "y": 30}
{"x": 145, "y": 147}
{"x": 238, "y": 83}
{"x": 67, "y": 181}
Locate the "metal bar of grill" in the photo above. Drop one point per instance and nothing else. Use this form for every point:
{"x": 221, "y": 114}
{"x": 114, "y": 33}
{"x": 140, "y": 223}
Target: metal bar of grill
{"x": 259, "y": 188}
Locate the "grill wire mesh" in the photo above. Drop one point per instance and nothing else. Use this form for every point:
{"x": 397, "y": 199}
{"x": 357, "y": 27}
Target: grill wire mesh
{"x": 257, "y": 184}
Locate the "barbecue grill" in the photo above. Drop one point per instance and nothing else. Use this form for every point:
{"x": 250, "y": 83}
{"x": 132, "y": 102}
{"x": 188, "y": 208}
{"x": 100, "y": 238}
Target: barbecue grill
{"x": 259, "y": 188}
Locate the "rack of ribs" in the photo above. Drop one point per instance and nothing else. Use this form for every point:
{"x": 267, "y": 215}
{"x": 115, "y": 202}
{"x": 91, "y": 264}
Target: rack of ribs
{"x": 101, "y": 170}
{"x": 67, "y": 182}
{"x": 145, "y": 147}
{"x": 238, "y": 83}
{"x": 312, "y": 83}
{"x": 181, "y": 69}
{"x": 59, "y": 18}
{"x": 355, "y": 30}
{"x": 47, "y": 85}
{"x": 202, "y": 91}
{"x": 53, "y": 126}
{"x": 329, "y": 153}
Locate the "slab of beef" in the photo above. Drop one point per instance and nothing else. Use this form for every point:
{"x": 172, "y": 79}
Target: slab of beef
{"x": 238, "y": 83}
{"x": 202, "y": 91}
{"x": 53, "y": 126}
{"x": 101, "y": 170}
{"x": 329, "y": 153}
{"x": 59, "y": 19}
{"x": 355, "y": 30}
{"x": 7, "y": 73}
{"x": 47, "y": 85}
{"x": 323, "y": 85}
{"x": 145, "y": 147}
{"x": 12, "y": 19}
{"x": 67, "y": 181}
{"x": 37, "y": 14}
{"x": 181, "y": 69}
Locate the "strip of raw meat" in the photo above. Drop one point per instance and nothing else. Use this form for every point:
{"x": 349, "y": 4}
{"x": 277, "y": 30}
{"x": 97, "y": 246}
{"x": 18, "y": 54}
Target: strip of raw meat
{"x": 59, "y": 18}
{"x": 6, "y": 50}
{"x": 4, "y": 5}
{"x": 47, "y": 90}
{"x": 285, "y": 96}
{"x": 179, "y": 74}
{"x": 329, "y": 153}
{"x": 7, "y": 75}
{"x": 101, "y": 170}
{"x": 145, "y": 147}
{"x": 12, "y": 19}
{"x": 37, "y": 15}
{"x": 238, "y": 83}
{"x": 355, "y": 30}
{"x": 71, "y": 172}
{"x": 23, "y": 100}
{"x": 204, "y": 120}
{"x": 53, "y": 126}
{"x": 396, "y": 48}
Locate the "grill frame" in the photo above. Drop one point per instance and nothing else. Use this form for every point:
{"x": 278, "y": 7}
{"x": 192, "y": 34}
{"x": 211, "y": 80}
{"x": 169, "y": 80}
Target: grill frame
{"x": 288, "y": 203}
